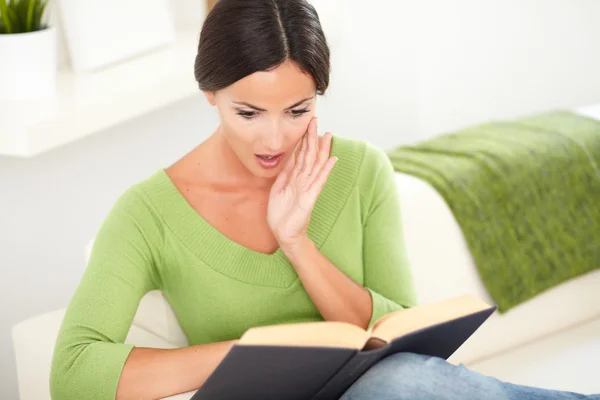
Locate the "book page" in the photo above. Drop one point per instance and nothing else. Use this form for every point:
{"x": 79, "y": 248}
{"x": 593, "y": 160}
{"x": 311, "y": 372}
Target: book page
{"x": 383, "y": 319}
{"x": 412, "y": 319}
{"x": 318, "y": 334}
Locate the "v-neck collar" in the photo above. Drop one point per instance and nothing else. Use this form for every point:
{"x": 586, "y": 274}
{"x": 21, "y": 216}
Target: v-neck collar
{"x": 237, "y": 261}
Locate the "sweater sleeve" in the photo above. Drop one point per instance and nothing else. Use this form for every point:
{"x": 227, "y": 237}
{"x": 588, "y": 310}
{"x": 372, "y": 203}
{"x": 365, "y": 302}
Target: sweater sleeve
{"x": 387, "y": 272}
{"x": 89, "y": 353}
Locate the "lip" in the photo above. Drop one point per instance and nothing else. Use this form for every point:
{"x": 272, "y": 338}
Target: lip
{"x": 269, "y": 164}
{"x": 270, "y": 155}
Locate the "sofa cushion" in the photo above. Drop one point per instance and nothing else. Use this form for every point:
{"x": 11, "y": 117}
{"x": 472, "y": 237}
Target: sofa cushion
{"x": 563, "y": 361}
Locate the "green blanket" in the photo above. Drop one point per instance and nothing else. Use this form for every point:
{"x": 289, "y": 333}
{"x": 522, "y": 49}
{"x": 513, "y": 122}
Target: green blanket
{"x": 526, "y": 194}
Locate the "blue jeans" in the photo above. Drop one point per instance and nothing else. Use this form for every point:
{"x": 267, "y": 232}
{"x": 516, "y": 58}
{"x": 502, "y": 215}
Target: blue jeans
{"x": 407, "y": 376}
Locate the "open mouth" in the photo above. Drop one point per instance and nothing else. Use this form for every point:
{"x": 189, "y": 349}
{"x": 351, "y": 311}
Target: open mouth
{"x": 268, "y": 161}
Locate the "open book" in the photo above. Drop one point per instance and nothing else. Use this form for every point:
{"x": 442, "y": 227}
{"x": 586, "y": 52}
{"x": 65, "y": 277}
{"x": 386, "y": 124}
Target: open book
{"x": 321, "y": 360}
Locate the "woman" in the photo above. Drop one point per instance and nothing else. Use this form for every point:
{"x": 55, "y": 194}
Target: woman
{"x": 265, "y": 222}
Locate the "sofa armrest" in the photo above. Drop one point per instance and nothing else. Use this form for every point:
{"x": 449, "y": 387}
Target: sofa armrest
{"x": 443, "y": 267}
{"x": 34, "y": 340}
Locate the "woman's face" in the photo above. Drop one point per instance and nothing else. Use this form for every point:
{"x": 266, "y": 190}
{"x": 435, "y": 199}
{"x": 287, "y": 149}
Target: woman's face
{"x": 265, "y": 115}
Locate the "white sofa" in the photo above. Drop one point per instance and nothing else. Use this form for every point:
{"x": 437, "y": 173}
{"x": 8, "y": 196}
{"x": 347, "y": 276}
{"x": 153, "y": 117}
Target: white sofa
{"x": 551, "y": 341}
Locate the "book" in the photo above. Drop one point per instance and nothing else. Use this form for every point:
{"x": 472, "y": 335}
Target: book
{"x": 321, "y": 360}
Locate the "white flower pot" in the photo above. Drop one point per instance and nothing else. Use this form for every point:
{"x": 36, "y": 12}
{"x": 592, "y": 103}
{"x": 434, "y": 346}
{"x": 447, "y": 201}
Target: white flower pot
{"x": 29, "y": 63}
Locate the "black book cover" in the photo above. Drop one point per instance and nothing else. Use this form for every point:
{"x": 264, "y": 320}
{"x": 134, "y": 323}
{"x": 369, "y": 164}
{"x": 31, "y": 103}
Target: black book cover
{"x": 273, "y": 373}
{"x": 440, "y": 340}
{"x": 349, "y": 373}
{"x": 323, "y": 373}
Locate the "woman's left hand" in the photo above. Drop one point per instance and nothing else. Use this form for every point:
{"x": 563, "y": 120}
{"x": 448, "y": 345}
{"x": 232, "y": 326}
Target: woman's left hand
{"x": 297, "y": 188}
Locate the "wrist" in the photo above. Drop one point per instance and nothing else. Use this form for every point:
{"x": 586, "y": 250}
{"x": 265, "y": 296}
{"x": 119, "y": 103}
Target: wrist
{"x": 297, "y": 249}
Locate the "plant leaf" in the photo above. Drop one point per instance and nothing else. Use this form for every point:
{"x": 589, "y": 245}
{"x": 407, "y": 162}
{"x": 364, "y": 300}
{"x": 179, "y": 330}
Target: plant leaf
{"x": 18, "y": 16}
{"x": 29, "y": 20}
{"x": 40, "y": 18}
{"x": 5, "y": 16}
{"x": 16, "y": 12}
{"x": 24, "y": 12}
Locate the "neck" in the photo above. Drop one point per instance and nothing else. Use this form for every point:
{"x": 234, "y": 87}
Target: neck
{"x": 226, "y": 169}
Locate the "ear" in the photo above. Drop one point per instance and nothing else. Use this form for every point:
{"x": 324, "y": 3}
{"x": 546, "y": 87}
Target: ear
{"x": 210, "y": 97}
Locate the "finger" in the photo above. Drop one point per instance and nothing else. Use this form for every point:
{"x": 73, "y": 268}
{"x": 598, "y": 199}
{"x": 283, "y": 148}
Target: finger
{"x": 300, "y": 157}
{"x": 311, "y": 148}
{"x": 284, "y": 176}
{"x": 325, "y": 148}
{"x": 317, "y": 185}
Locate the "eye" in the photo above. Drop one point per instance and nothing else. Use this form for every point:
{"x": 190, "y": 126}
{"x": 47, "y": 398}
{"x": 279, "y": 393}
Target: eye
{"x": 247, "y": 114}
{"x": 299, "y": 113}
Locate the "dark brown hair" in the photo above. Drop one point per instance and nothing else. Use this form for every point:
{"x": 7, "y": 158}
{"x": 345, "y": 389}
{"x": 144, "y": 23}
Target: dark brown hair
{"x": 241, "y": 37}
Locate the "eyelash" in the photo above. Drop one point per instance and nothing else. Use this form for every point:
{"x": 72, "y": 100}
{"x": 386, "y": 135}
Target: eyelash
{"x": 251, "y": 114}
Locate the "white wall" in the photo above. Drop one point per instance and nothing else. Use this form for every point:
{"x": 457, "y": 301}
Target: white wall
{"x": 493, "y": 59}
{"x": 402, "y": 71}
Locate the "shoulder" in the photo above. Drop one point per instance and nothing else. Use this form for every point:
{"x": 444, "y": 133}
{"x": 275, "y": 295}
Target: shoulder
{"x": 131, "y": 236}
{"x": 134, "y": 208}
{"x": 368, "y": 163}
{"x": 135, "y": 198}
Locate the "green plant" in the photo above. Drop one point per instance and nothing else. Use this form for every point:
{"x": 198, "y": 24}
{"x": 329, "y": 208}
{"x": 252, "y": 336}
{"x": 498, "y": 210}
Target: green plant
{"x": 20, "y": 16}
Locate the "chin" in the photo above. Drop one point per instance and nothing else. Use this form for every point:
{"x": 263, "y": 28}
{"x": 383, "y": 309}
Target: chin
{"x": 265, "y": 173}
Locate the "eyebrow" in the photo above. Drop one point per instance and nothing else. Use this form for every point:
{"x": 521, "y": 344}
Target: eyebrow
{"x": 242, "y": 103}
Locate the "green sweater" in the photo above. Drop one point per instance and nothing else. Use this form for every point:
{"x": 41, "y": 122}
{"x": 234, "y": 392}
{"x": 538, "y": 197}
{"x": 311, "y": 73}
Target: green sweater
{"x": 153, "y": 239}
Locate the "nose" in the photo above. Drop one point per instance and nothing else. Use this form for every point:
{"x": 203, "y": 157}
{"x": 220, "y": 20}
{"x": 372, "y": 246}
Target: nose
{"x": 273, "y": 139}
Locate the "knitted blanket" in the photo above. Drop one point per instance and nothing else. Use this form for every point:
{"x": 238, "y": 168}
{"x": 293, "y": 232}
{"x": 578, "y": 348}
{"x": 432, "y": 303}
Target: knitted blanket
{"x": 526, "y": 194}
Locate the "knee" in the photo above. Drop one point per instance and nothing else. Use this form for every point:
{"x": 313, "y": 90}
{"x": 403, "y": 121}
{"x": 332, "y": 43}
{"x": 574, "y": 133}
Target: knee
{"x": 414, "y": 372}
{"x": 414, "y": 375}
{"x": 408, "y": 376}
{"x": 404, "y": 360}
{"x": 413, "y": 368}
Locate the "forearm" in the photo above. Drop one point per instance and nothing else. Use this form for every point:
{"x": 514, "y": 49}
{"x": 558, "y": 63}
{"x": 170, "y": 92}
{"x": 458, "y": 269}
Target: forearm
{"x": 158, "y": 373}
{"x": 336, "y": 296}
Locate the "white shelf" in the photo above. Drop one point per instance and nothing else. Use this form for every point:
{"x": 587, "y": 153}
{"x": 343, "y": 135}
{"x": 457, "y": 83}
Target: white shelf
{"x": 87, "y": 104}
